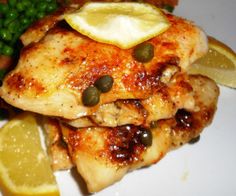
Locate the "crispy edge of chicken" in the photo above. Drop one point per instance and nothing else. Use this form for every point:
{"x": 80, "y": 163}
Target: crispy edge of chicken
{"x": 56, "y": 147}
{"x": 47, "y": 78}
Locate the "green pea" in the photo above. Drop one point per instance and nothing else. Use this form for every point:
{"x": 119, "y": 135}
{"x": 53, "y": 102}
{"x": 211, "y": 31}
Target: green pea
{"x": 143, "y": 52}
{"x": 91, "y": 96}
{"x": 6, "y": 22}
{"x": 104, "y": 83}
{"x": 194, "y": 140}
{"x": 5, "y": 35}
{"x": 146, "y": 137}
{"x": 7, "y": 50}
{"x": 3, "y": 8}
{"x": 26, "y": 3}
{"x": 1, "y": 22}
{"x": 42, "y": 6}
{"x": 51, "y": 7}
{"x": 13, "y": 26}
{"x": 1, "y": 44}
{"x": 25, "y": 21}
{"x": 12, "y": 3}
{"x": 20, "y": 6}
{"x": 40, "y": 15}
{"x": 12, "y": 14}
{"x": 30, "y": 12}
{"x": 15, "y": 37}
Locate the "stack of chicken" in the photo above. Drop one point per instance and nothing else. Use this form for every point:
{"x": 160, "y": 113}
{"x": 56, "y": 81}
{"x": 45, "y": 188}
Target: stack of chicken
{"x": 109, "y": 111}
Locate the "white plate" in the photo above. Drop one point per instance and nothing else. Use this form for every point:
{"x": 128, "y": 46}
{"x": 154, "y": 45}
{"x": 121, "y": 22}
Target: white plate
{"x": 206, "y": 168}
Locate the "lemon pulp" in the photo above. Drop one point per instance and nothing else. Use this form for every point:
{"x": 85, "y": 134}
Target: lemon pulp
{"x": 121, "y": 24}
{"x": 219, "y": 64}
{"x": 24, "y": 167}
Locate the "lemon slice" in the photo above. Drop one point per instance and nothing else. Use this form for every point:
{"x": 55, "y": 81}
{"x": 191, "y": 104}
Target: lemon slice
{"x": 219, "y": 64}
{"x": 24, "y": 167}
{"x": 121, "y": 24}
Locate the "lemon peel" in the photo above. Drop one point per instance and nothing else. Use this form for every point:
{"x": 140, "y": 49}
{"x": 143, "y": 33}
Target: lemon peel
{"x": 123, "y": 24}
{"x": 24, "y": 167}
{"x": 219, "y": 63}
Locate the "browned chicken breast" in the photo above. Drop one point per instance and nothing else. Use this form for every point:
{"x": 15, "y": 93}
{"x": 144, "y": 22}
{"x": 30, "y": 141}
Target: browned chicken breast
{"x": 151, "y": 108}
{"x": 53, "y": 73}
{"x": 112, "y": 152}
{"x": 163, "y": 104}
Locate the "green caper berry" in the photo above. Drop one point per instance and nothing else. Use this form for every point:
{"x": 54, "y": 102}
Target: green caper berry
{"x": 194, "y": 140}
{"x": 91, "y": 96}
{"x": 143, "y": 52}
{"x": 104, "y": 83}
{"x": 146, "y": 137}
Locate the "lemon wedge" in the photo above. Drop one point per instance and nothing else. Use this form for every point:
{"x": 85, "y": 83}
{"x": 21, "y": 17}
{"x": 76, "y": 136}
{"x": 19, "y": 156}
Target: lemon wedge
{"x": 121, "y": 24}
{"x": 219, "y": 64}
{"x": 24, "y": 167}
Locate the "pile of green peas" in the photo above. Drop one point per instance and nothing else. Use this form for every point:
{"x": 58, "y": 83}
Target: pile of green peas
{"x": 16, "y": 16}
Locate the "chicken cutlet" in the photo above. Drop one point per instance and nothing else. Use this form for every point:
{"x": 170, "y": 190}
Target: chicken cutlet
{"x": 178, "y": 94}
{"x": 112, "y": 152}
{"x": 53, "y": 72}
{"x": 151, "y": 108}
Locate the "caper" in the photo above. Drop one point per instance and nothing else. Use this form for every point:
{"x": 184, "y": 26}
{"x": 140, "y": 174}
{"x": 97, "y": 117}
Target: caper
{"x": 143, "y": 52}
{"x": 91, "y": 96}
{"x": 194, "y": 140}
{"x": 146, "y": 137}
{"x": 104, "y": 83}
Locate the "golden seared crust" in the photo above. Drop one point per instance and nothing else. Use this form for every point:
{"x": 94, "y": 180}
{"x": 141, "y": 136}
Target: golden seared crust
{"x": 189, "y": 124}
{"x": 52, "y": 73}
{"x": 115, "y": 151}
{"x": 162, "y": 104}
{"x": 39, "y": 28}
{"x": 111, "y": 152}
{"x": 56, "y": 147}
